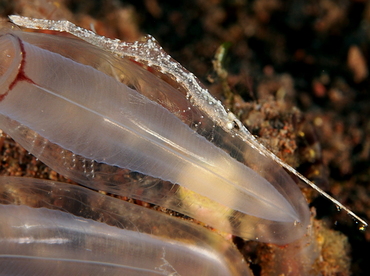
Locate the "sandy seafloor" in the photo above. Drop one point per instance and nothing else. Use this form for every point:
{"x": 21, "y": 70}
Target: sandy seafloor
{"x": 297, "y": 77}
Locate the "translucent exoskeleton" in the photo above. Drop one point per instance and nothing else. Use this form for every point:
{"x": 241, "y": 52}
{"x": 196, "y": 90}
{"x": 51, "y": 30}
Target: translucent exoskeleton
{"x": 91, "y": 113}
{"x": 51, "y": 228}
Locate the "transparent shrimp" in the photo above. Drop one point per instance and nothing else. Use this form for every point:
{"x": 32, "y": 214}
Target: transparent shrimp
{"x": 61, "y": 101}
{"x": 52, "y": 228}
{"x": 150, "y": 53}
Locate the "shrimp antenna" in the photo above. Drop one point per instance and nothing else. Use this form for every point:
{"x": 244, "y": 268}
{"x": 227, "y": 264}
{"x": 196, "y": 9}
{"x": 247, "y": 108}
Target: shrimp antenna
{"x": 264, "y": 151}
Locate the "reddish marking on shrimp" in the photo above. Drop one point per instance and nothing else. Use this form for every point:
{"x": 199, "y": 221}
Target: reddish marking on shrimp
{"x": 3, "y": 95}
{"x": 21, "y": 76}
